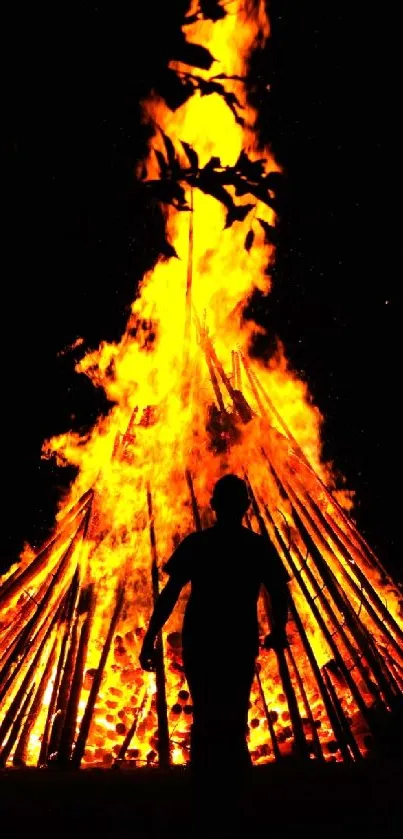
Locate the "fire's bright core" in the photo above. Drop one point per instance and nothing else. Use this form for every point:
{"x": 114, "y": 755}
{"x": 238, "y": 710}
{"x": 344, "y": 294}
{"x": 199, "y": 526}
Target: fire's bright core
{"x": 190, "y": 405}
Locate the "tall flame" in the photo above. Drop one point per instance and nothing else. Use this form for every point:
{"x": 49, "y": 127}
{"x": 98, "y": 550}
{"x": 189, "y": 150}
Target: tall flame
{"x": 153, "y": 460}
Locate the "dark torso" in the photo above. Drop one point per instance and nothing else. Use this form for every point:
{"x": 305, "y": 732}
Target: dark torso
{"x": 226, "y": 567}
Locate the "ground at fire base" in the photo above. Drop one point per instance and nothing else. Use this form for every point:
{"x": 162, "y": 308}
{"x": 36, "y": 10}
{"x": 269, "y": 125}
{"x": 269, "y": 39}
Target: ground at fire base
{"x": 283, "y": 801}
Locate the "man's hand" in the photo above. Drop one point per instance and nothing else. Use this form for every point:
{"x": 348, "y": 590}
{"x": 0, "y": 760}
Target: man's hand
{"x": 276, "y": 640}
{"x": 147, "y": 657}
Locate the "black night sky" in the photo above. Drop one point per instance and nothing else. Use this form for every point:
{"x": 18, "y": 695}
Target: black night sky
{"x": 77, "y": 235}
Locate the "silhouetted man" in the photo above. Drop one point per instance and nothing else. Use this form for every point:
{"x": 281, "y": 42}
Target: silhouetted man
{"x": 226, "y": 565}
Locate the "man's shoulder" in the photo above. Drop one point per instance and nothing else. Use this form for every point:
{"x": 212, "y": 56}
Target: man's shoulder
{"x": 254, "y": 540}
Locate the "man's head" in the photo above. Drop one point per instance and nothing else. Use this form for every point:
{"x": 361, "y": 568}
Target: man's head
{"x": 230, "y": 499}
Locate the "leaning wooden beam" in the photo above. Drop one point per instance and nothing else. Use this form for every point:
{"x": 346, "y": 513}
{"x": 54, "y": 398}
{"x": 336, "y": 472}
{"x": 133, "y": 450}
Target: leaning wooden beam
{"x": 385, "y": 681}
{"x": 21, "y": 751}
{"x": 86, "y": 604}
{"x": 354, "y": 533}
{"x": 317, "y": 748}
{"x": 21, "y": 579}
{"x": 23, "y": 663}
{"x": 18, "y": 699}
{"x": 131, "y": 732}
{"x": 322, "y": 524}
{"x": 64, "y": 630}
{"x": 65, "y": 688}
{"x": 19, "y": 632}
{"x": 96, "y": 684}
{"x": 330, "y": 640}
{"x": 16, "y": 658}
{"x": 330, "y": 709}
{"x": 353, "y": 624}
{"x": 301, "y": 746}
{"x": 344, "y": 722}
{"x": 239, "y": 402}
{"x": 273, "y": 738}
{"x": 214, "y": 382}
{"x": 164, "y": 751}
{"x": 8, "y": 747}
{"x": 19, "y": 622}
{"x": 193, "y": 499}
{"x": 317, "y": 538}
{"x": 296, "y": 722}
{"x": 238, "y": 372}
{"x": 326, "y": 698}
{"x": 188, "y": 295}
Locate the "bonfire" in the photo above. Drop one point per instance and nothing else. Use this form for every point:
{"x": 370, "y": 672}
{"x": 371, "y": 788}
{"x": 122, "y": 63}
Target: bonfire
{"x": 191, "y": 402}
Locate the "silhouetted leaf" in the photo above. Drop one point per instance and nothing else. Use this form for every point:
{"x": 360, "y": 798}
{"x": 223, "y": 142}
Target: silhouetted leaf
{"x": 269, "y": 231}
{"x": 237, "y": 213}
{"x": 192, "y": 54}
{"x": 191, "y": 19}
{"x": 213, "y": 163}
{"x": 175, "y": 89}
{"x": 274, "y": 181}
{"x": 168, "y": 250}
{"x": 253, "y": 170}
{"x": 212, "y": 10}
{"x": 209, "y": 86}
{"x": 225, "y": 76}
{"x": 241, "y": 187}
{"x": 162, "y": 164}
{"x": 191, "y": 155}
{"x": 170, "y": 150}
{"x": 249, "y": 240}
{"x": 142, "y": 174}
{"x": 168, "y": 192}
{"x": 212, "y": 187}
{"x": 179, "y": 197}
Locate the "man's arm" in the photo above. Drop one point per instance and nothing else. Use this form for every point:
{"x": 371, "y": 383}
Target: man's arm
{"x": 277, "y": 590}
{"x": 162, "y": 610}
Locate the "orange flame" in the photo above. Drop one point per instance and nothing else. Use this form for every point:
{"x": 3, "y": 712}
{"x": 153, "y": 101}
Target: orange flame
{"x": 154, "y": 436}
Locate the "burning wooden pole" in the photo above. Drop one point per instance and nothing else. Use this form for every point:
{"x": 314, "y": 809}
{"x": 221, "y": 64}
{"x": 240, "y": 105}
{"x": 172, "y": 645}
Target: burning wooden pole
{"x": 352, "y": 532}
{"x": 239, "y": 402}
{"x": 64, "y": 628}
{"x": 188, "y": 296}
{"x": 21, "y": 579}
{"x": 329, "y": 705}
{"x": 8, "y": 747}
{"x": 15, "y": 659}
{"x": 351, "y": 622}
{"x": 356, "y": 629}
{"x": 317, "y": 748}
{"x": 326, "y": 698}
{"x": 164, "y": 752}
{"x": 20, "y": 755}
{"x": 65, "y": 685}
{"x": 31, "y": 670}
{"x": 86, "y": 605}
{"x": 131, "y": 732}
{"x": 193, "y": 499}
{"x": 96, "y": 684}
{"x": 323, "y": 526}
{"x": 353, "y": 625}
{"x": 318, "y": 544}
{"x": 329, "y": 637}
{"x": 273, "y": 738}
{"x": 296, "y": 722}
{"x": 344, "y": 723}
{"x": 301, "y": 747}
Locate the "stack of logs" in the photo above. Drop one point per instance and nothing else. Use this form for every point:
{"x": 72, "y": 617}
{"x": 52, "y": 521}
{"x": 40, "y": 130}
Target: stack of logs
{"x": 336, "y": 705}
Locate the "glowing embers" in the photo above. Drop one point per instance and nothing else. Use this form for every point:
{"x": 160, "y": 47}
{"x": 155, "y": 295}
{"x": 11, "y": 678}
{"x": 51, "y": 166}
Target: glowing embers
{"x": 187, "y": 406}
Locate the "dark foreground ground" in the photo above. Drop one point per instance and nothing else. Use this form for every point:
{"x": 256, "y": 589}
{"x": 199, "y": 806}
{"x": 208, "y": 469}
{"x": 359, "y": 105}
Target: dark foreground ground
{"x": 283, "y": 801}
